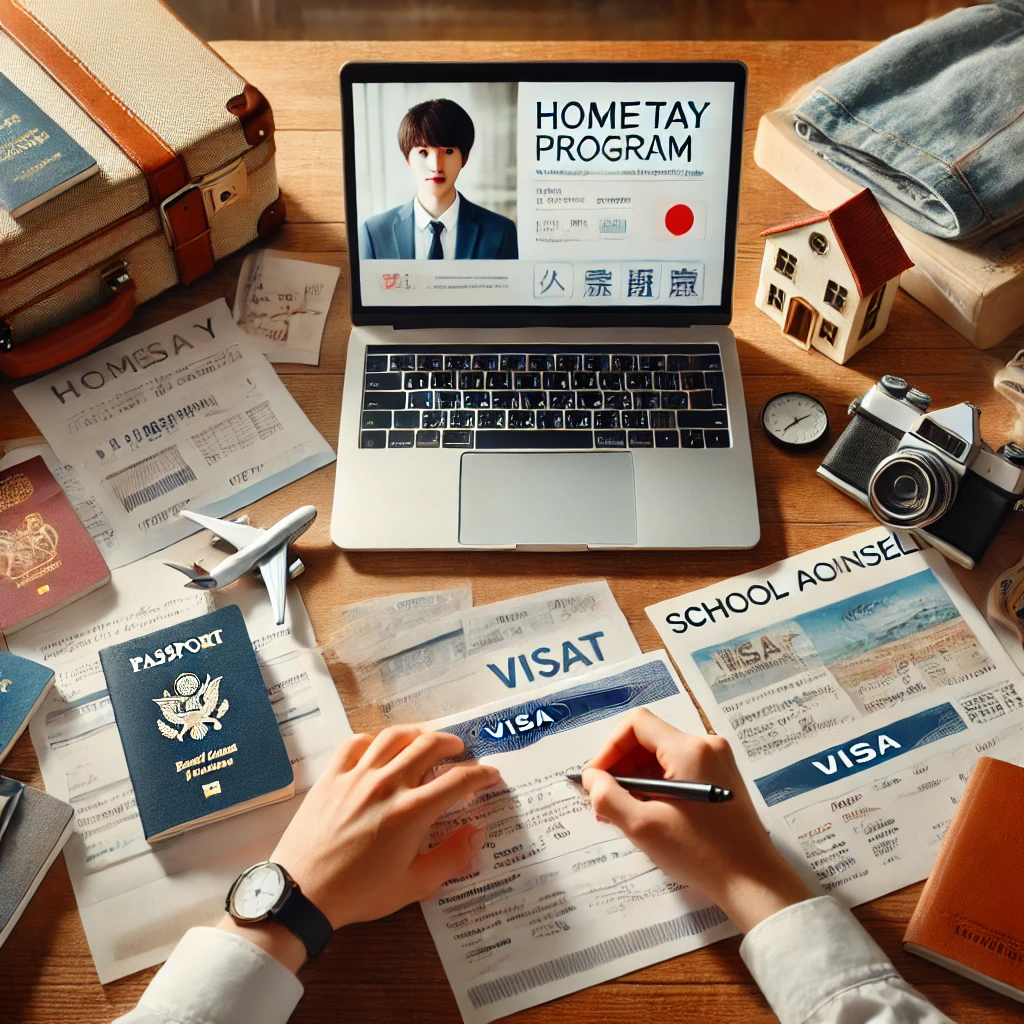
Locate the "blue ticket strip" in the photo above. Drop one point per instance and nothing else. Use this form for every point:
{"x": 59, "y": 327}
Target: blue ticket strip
{"x": 856, "y": 755}
{"x": 519, "y": 725}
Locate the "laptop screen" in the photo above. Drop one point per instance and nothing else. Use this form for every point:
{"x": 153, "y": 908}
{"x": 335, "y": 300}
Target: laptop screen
{"x": 542, "y": 193}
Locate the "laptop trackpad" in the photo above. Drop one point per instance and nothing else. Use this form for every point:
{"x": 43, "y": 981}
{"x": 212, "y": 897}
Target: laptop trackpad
{"x": 547, "y": 498}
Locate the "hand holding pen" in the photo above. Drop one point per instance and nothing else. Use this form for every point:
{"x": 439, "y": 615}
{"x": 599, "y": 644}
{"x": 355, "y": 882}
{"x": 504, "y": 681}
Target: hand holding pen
{"x": 724, "y": 850}
{"x": 705, "y": 792}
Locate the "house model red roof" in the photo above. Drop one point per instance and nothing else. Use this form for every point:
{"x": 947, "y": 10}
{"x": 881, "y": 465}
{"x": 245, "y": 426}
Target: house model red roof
{"x": 872, "y": 250}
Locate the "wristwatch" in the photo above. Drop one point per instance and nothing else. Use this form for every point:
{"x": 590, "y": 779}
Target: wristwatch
{"x": 266, "y": 890}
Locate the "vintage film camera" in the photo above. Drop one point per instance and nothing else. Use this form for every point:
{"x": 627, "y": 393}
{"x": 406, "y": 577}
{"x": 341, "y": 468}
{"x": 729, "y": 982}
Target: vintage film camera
{"x": 926, "y": 472}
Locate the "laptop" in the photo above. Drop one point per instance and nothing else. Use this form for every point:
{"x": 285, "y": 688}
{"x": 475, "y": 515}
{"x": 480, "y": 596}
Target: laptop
{"x": 542, "y": 260}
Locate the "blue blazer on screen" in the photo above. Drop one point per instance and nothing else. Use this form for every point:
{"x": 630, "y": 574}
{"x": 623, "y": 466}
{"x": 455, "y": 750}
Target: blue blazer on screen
{"x": 481, "y": 234}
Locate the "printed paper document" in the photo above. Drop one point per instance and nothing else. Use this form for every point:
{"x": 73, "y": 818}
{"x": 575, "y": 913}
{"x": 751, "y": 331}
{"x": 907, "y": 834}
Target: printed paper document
{"x": 857, "y": 684}
{"x": 411, "y": 662}
{"x": 560, "y": 901}
{"x": 283, "y": 302}
{"x": 136, "y": 901}
{"x": 188, "y": 414}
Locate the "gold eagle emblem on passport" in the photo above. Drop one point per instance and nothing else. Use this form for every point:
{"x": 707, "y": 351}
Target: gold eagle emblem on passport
{"x": 192, "y": 707}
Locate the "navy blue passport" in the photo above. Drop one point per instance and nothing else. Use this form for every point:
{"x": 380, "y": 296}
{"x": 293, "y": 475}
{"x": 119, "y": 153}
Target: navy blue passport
{"x": 199, "y": 734}
{"x": 38, "y": 159}
{"x": 23, "y": 685}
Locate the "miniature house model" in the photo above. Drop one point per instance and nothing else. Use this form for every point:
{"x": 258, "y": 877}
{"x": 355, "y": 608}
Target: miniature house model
{"x": 829, "y": 280}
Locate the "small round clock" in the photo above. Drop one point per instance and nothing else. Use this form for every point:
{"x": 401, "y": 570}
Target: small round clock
{"x": 794, "y": 422}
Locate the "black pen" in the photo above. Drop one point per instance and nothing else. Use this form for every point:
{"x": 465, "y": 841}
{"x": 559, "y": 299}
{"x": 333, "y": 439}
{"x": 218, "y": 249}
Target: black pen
{"x": 669, "y": 787}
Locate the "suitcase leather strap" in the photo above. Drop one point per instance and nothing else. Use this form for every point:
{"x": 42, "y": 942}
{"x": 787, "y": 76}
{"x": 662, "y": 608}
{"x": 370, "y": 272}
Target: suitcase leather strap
{"x": 188, "y": 231}
{"x": 164, "y": 169}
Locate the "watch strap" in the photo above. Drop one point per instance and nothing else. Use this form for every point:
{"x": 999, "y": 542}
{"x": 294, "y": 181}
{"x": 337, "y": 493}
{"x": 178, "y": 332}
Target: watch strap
{"x": 304, "y": 920}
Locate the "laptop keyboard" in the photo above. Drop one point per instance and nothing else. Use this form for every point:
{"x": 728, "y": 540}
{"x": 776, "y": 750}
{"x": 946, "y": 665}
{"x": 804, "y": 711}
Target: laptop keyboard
{"x": 545, "y": 397}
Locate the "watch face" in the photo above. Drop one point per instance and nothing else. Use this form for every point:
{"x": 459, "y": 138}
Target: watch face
{"x": 794, "y": 421}
{"x": 257, "y": 892}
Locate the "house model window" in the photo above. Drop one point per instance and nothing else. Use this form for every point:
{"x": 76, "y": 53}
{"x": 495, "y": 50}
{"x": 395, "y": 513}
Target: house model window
{"x": 785, "y": 263}
{"x": 835, "y": 296}
{"x": 818, "y": 243}
{"x": 871, "y": 314}
{"x": 776, "y": 297}
{"x": 828, "y": 332}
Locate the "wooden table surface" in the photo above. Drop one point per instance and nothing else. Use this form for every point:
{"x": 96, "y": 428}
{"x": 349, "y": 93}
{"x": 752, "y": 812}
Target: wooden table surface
{"x": 389, "y": 970}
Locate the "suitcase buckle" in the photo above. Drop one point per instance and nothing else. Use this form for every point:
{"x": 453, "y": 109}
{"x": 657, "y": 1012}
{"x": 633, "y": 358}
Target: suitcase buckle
{"x": 115, "y": 275}
{"x": 219, "y": 189}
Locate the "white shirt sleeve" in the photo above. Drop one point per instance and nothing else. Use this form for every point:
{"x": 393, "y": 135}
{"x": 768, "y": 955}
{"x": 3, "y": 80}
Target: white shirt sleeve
{"x": 815, "y": 964}
{"x": 214, "y": 977}
{"x": 813, "y": 961}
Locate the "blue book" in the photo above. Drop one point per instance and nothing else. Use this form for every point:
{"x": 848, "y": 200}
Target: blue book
{"x": 38, "y": 159}
{"x": 199, "y": 733}
{"x": 23, "y": 685}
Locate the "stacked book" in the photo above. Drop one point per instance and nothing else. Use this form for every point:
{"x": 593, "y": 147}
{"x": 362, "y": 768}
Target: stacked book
{"x": 978, "y": 289}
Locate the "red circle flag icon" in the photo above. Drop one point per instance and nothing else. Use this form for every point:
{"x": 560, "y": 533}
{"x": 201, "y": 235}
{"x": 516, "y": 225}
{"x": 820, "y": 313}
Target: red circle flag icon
{"x": 679, "y": 219}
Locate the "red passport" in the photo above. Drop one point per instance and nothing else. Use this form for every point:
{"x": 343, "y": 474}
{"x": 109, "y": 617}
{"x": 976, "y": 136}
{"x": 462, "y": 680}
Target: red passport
{"x": 47, "y": 558}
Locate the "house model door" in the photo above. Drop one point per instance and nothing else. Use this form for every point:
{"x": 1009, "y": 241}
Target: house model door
{"x": 800, "y": 317}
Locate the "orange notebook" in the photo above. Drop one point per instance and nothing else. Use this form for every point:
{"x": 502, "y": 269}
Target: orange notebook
{"x": 970, "y": 918}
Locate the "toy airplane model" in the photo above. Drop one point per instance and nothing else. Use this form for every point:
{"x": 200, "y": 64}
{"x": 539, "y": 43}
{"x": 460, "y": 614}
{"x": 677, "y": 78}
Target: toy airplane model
{"x": 266, "y": 550}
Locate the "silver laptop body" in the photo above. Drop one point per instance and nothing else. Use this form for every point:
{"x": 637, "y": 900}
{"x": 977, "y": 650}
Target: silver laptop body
{"x": 465, "y": 433}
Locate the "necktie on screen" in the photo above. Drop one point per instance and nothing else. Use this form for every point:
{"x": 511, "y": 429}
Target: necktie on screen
{"x": 436, "y": 252}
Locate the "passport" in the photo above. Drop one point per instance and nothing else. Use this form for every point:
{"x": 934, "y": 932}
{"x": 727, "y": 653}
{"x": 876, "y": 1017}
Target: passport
{"x": 200, "y": 737}
{"x": 38, "y": 159}
{"x": 23, "y": 685}
{"x": 47, "y": 558}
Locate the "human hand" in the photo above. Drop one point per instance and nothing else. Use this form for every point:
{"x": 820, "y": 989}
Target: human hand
{"x": 721, "y": 849}
{"x": 354, "y": 844}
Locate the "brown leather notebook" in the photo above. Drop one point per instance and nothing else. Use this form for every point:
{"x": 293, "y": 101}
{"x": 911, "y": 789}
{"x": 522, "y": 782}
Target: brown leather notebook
{"x": 970, "y": 918}
{"x": 47, "y": 558}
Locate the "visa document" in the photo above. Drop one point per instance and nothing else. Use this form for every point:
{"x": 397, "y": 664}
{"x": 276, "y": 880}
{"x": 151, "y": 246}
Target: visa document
{"x": 857, "y": 684}
{"x": 423, "y": 656}
{"x": 559, "y": 901}
{"x": 137, "y": 900}
{"x": 186, "y": 415}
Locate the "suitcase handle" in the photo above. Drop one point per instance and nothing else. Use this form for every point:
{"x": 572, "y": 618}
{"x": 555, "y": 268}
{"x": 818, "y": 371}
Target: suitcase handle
{"x": 79, "y": 336}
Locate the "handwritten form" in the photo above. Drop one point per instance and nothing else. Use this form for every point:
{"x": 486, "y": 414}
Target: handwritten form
{"x": 559, "y": 900}
{"x": 283, "y": 304}
{"x": 187, "y": 415}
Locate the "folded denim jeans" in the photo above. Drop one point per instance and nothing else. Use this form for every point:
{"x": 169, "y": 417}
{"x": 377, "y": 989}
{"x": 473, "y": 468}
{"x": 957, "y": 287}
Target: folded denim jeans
{"x": 932, "y": 121}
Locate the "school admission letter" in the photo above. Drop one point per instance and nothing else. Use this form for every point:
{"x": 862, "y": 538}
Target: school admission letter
{"x": 187, "y": 415}
{"x": 857, "y": 684}
{"x": 559, "y": 901}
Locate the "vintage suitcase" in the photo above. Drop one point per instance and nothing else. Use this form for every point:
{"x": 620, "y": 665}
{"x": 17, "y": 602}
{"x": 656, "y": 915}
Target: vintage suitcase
{"x": 185, "y": 149}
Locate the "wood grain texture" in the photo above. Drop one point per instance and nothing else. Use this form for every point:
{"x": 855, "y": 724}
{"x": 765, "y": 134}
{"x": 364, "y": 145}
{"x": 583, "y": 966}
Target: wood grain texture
{"x": 442, "y": 20}
{"x": 389, "y": 971}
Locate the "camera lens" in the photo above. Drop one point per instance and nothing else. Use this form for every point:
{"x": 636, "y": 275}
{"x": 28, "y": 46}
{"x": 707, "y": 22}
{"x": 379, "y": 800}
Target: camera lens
{"x": 911, "y": 488}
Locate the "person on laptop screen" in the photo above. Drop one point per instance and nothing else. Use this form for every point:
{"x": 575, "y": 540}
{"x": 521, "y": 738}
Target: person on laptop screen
{"x": 437, "y": 223}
